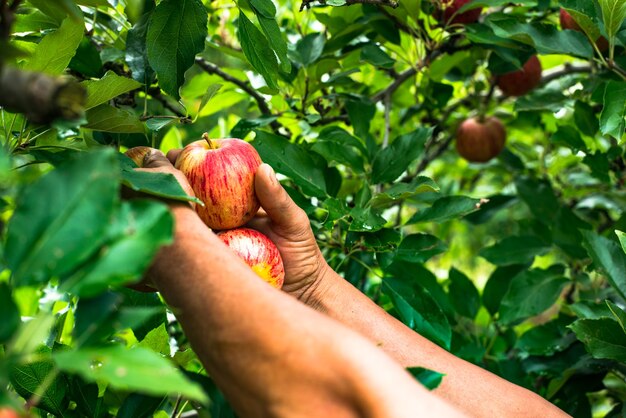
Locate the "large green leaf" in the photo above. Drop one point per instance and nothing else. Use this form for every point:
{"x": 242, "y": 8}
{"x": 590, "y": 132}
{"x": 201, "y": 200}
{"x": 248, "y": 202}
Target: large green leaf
{"x": 418, "y": 248}
{"x": 137, "y": 53}
{"x": 418, "y": 310}
{"x": 539, "y": 197}
{"x": 265, "y": 12}
{"x": 463, "y": 294}
{"x": 531, "y": 293}
{"x": 609, "y": 256}
{"x": 309, "y": 49}
{"x": 176, "y": 33}
{"x": 107, "y": 118}
{"x": 8, "y": 312}
{"x": 603, "y": 337}
{"x": 55, "y": 51}
{"x": 107, "y": 88}
{"x": 28, "y": 379}
{"x": 498, "y": 284}
{"x": 257, "y": 51}
{"x": 400, "y": 191}
{"x": 446, "y": 208}
{"x": 292, "y": 160}
{"x": 137, "y": 369}
{"x": 515, "y": 250}
{"x": 613, "y": 15}
{"x": 142, "y": 227}
{"x": 614, "y": 110}
{"x": 389, "y": 163}
{"x": 61, "y": 219}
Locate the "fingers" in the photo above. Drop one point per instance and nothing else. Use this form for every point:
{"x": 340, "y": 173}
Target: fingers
{"x": 155, "y": 159}
{"x": 172, "y": 155}
{"x": 280, "y": 208}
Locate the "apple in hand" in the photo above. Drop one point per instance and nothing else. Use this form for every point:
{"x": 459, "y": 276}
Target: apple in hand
{"x": 568, "y": 22}
{"x": 451, "y": 7}
{"x": 137, "y": 154}
{"x": 479, "y": 140}
{"x": 258, "y": 251}
{"x": 221, "y": 174}
{"x": 518, "y": 83}
{"x": 8, "y": 413}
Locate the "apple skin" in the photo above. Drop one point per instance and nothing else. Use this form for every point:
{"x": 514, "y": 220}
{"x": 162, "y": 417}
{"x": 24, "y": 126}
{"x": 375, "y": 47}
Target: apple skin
{"x": 8, "y": 413}
{"x": 221, "y": 173}
{"x": 450, "y": 7}
{"x": 257, "y": 251}
{"x": 568, "y": 22}
{"x": 137, "y": 154}
{"x": 479, "y": 141}
{"x": 518, "y": 83}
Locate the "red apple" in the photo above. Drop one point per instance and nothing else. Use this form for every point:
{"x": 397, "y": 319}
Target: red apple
{"x": 8, "y": 413}
{"x": 480, "y": 139}
{"x": 518, "y": 83}
{"x": 568, "y": 22}
{"x": 450, "y": 9}
{"x": 258, "y": 251}
{"x": 221, "y": 173}
{"x": 137, "y": 154}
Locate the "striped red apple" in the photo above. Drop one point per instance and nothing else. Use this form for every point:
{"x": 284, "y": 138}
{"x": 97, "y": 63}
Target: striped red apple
{"x": 221, "y": 173}
{"x": 257, "y": 251}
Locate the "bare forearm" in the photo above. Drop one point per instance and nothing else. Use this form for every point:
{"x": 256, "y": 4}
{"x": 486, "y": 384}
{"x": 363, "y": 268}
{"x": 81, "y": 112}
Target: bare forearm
{"x": 270, "y": 354}
{"x": 474, "y": 390}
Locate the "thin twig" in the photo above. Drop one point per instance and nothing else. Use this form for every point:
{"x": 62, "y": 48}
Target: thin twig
{"x": 565, "y": 70}
{"x": 389, "y": 3}
{"x": 157, "y": 95}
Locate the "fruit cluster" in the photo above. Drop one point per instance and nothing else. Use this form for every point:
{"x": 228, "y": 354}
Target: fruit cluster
{"x": 221, "y": 173}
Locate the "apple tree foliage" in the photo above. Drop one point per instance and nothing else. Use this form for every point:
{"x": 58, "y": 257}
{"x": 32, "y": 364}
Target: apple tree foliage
{"x": 517, "y": 265}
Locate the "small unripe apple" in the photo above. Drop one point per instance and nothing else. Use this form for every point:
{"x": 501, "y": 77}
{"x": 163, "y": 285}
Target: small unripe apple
{"x": 518, "y": 83}
{"x": 451, "y": 7}
{"x": 568, "y": 22}
{"x": 137, "y": 154}
{"x": 479, "y": 140}
{"x": 221, "y": 173}
{"x": 258, "y": 251}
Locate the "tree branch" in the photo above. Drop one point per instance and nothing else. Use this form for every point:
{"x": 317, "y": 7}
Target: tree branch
{"x": 156, "y": 94}
{"x": 565, "y": 70}
{"x": 389, "y": 3}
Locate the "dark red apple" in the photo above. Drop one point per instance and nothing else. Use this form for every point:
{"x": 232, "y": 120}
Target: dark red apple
{"x": 258, "y": 251}
{"x": 479, "y": 140}
{"x": 568, "y": 22}
{"x": 450, "y": 9}
{"x": 518, "y": 83}
{"x": 221, "y": 173}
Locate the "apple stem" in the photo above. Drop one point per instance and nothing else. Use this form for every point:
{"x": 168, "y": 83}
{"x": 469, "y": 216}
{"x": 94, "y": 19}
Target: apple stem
{"x": 205, "y": 136}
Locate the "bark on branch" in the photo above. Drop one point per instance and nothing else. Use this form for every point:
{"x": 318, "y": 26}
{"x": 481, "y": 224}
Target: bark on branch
{"x": 40, "y": 97}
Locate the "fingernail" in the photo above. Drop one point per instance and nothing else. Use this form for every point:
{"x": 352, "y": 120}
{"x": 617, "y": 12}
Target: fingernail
{"x": 271, "y": 174}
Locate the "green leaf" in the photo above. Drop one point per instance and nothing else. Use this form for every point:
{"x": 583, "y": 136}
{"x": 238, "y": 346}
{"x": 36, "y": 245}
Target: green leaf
{"x": 55, "y": 51}
{"x": 265, "y": 12}
{"x": 361, "y": 111}
{"x": 515, "y": 250}
{"x": 418, "y": 310}
{"x": 607, "y": 255}
{"x": 429, "y": 378}
{"x": 28, "y": 379}
{"x": 366, "y": 220}
{"x": 157, "y": 340}
{"x": 497, "y": 285}
{"x": 144, "y": 227}
{"x": 376, "y": 56}
{"x": 446, "y": 208}
{"x": 309, "y": 49}
{"x": 463, "y": 294}
{"x": 603, "y": 338}
{"x": 61, "y": 219}
{"x": 107, "y": 88}
{"x": 291, "y": 160}
{"x": 137, "y": 369}
{"x": 614, "y": 110}
{"x": 107, "y": 118}
{"x": 208, "y": 95}
{"x": 622, "y": 239}
{"x": 418, "y": 248}
{"x": 264, "y": 8}
{"x": 585, "y": 118}
{"x": 87, "y": 59}
{"x": 162, "y": 185}
{"x": 584, "y": 14}
{"x": 136, "y": 52}
{"x": 570, "y": 137}
{"x": 256, "y": 49}
{"x": 389, "y": 163}
{"x": 613, "y": 15}
{"x": 618, "y": 313}
{"x": 539, "y": 197}
{"x": 546, "y": 39}
{"x": 547, "y": 339}
{"x": 340, "y": 153}
{"x": 176, "y": 33}
{"x": 530, "y": 293}
{"x": 8, "y": 312}
{"x": 402, "y": 191}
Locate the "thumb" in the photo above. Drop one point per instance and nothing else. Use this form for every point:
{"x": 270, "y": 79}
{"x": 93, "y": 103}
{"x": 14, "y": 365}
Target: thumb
{"x": 155, "y": 159}
{"x": 278, "y": 205}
